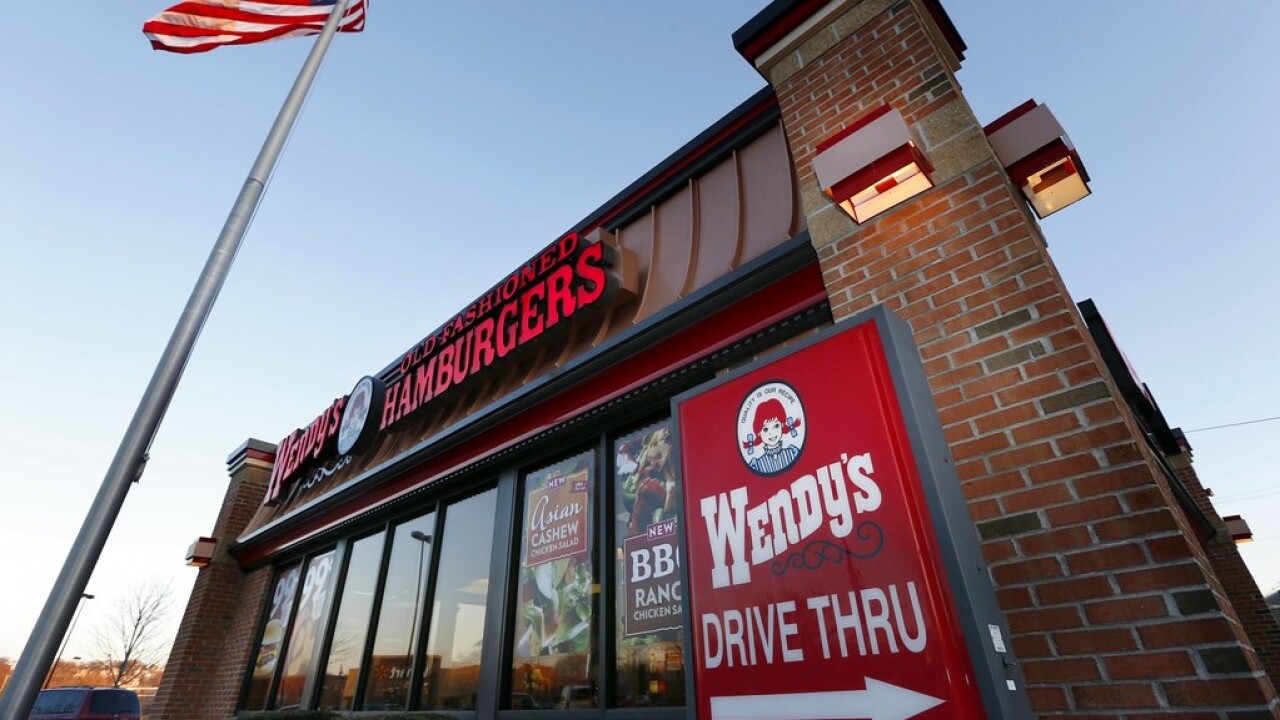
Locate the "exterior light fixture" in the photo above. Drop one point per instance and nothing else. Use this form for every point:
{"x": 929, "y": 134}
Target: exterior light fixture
{"x": 1039, "y": 156}
{"x": 872, "y": 165}
{"x": 201, "y": 552}
{"x": 1239, "y": 529}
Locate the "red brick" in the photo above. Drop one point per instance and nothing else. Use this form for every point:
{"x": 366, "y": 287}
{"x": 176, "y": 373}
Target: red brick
{"x": 1114, "y": 481}
{"x": 1145, "y": 499}
{"x": 991, "y": 383}
{"x": 980, "y": 350}
{"x": 1055, "y": 541}
{"x": 1031, "y": 645}
{"x": 1106, "y": 558}
{"x": 1094, "y": 642}
{"x": 971, "y": 469}
{"x": 1093, "y": 438}
{"x": 1014, "y": 598}
{"x": 998, "y": 551}
{"x": 964, "y": 411}
{"x": 1186, "y": 632}
{"x": 1102, "y": 412}
{"x": 1048, "y": 699}
{"x": 1007, "y": 417}
{"x": 1084, "y": 512}
{"x": 995, "y": 484}
{"x": 1171, "y": 548}
{"x": 1150, "y": 665}
{"x": 982, "y": 445}
{"x": 1036, "y": 498}
{"x": 1074, "y": 590}
{"x": 1021, "y": 456}
{"x": 1115, "y": 695}
{"x": 1126, "y": 610}
{"x": 1161, "y": 578}
{"x": 1061, "y": 670}
{"x": 1026, "y": 571}
{"x": 1056, "y": 618}
{"x": 1032, "y": 390}
{"x": 1136, "y": 525}
{"x": 1048, "y": 427}
{"x": 1044, "y": 326}
{"x": 1063, "y": 468}
{"x": 1218, "y": 692}
{"x": 981, "y": 510}
{"x": 1122, "y": 454}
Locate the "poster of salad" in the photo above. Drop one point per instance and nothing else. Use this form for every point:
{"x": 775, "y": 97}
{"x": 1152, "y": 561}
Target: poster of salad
{"x": 555, "y": 637}
{"x": 650, "y": 596}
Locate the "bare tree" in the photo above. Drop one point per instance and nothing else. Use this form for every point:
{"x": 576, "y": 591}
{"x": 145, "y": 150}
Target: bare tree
{"x": 6, "y": 670}
{"x": 131, "y": 639}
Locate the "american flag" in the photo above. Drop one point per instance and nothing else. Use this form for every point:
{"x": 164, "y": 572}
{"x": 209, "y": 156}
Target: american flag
{"x": 200, "y": 25}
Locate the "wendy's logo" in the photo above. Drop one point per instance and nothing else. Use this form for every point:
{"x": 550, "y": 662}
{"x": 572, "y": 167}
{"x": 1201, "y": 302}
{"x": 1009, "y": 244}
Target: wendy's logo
{"x": 771, "y": 428}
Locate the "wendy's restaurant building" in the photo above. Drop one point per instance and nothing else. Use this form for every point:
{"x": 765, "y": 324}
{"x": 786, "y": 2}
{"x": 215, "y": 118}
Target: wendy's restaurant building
{"x": 802, "y": 424}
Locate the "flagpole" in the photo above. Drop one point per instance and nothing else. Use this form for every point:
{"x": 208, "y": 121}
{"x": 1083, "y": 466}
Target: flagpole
{"x": 131, "y": 457}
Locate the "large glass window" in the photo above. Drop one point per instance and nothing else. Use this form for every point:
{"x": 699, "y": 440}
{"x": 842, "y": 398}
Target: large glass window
{"x": 408, "y": 619}
{"x": 555, "y": 659}
{"x": 272, "y": 639}
{"x": 342, "y": 671}
{"x": 452, "y": 675}
{"x": 307, "y": 627}
{"x": 649, "y": 597}
{"x": 396, "y": 640}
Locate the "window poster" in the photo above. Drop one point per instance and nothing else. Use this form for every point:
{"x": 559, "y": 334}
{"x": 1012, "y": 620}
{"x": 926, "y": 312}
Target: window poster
{"x": 555, "y": 637}
{"x": 269, "y": 645}
{"x": 306, "y": 630}
{"x": 650, "y": 664}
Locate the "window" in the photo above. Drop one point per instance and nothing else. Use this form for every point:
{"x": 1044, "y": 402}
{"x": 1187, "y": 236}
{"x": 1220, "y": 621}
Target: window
{"x": 648, "y": 628}
{"x": 114, "y": 702}
{"x": 395, "y": 618}
{"x": 395, "y": 644}
{"x": 555, "y": 656}
{"x": 451, "y": 678}
{"x": 272, "y": 637}
{"x": 317, "y": 586}
{"x": 342, "y": 670}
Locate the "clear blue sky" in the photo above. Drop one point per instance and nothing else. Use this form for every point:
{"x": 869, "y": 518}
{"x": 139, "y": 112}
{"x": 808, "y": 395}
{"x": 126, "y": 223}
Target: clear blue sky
{"x": 452, "y": 140}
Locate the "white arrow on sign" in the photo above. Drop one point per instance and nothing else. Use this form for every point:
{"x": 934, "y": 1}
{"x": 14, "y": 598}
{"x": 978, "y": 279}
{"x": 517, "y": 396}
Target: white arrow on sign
{"x": 879, "y": 701}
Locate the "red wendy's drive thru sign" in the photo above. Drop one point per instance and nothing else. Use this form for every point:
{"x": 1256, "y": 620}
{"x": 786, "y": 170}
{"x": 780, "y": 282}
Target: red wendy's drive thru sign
{"x": 832, "y": 569}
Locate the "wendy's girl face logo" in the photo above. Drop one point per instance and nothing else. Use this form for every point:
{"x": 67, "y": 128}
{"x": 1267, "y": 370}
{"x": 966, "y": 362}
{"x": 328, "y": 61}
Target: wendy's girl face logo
{"x": 771, "y": 428}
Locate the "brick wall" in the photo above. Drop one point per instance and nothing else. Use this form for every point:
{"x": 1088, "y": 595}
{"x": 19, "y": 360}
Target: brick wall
{"x": 207, "y": 664}
{"x": 1114, "y": 606}
{"x": 1238, "y": 585}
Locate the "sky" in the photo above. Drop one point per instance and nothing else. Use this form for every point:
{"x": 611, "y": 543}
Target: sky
{"x": 450, "y": 141}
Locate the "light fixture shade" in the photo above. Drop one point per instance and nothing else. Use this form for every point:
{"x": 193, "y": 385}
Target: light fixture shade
{"x": 871, "y": 165}
{"x": 1239, "y": 529}
{"x": 201, "y": 552}
{"x": 1039, "y": 156}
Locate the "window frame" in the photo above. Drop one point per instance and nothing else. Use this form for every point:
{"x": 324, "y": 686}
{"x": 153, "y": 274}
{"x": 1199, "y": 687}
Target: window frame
{"x": 506, "y": 476}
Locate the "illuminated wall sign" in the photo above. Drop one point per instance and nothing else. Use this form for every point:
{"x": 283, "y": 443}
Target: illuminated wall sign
{"x": 564, "y": 281}
{"x": 300, "y": 447}
{"x": 560, "y": 282}
{"x": 817, "y": 574}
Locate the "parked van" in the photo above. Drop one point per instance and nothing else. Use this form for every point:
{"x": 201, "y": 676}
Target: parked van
{"x": 86, "y": 703}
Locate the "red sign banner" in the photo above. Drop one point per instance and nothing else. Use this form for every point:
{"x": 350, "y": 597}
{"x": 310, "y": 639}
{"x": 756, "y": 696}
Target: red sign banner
{"x": 816, "y": 586}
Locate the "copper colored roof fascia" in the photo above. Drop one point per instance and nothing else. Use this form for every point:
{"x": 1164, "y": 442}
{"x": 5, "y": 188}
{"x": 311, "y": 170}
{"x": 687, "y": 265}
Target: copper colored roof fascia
{"x": 751, "y": 118}
{"x": 785, "y": 259}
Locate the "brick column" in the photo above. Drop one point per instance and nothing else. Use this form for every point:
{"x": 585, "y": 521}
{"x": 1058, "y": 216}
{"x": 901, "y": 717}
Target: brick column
{"x": 1238, "y": 585}
{"x": 1096, "y": 565}
{"x": 207, "y": 664}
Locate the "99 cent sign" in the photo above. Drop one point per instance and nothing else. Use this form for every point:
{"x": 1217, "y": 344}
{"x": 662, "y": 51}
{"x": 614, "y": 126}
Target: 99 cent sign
{"x": 826, "y": 578}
